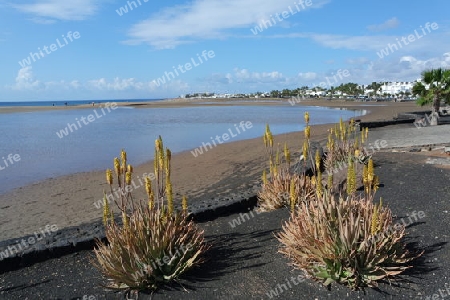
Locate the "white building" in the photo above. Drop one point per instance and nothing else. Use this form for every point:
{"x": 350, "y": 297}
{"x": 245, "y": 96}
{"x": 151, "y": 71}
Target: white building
{"x": 395, "y": 88}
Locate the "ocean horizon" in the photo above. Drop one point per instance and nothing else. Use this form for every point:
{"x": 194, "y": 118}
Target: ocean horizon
{"x": 69, "y": 102}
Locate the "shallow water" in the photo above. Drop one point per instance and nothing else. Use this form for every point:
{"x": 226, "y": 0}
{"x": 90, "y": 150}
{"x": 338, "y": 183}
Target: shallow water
{"x": 43, "y": 154}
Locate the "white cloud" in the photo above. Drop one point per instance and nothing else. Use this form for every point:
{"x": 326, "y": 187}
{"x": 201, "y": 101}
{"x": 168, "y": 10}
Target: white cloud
{"x": 25, "y": 81}
{"x": 307, "y": 75}
{"x": 357, "y": 61}
{"x": 205, "y": 19}
{"x": 431, "y": 43}
{"x": 27, "y": 87}
{"x": 47, "y": 11}
{"x": 245, "y": 75}
{"x": 240, "y": 76}
{"x": 352, "y": 42}
{"x": 43, "y": 21}
{"x": 403, "y": 68}
{"x": 116, "y": 85}
{"x": 388, "y": 24}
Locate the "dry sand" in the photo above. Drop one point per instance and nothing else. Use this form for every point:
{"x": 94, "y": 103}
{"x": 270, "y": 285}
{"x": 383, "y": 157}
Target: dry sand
{"x": 232, "y": 167}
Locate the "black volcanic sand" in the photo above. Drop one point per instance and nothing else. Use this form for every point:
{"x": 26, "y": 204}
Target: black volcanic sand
{"x": 244, "y": 263}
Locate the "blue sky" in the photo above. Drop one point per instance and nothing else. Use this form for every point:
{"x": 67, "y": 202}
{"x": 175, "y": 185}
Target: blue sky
{"x": 113, "y": 54}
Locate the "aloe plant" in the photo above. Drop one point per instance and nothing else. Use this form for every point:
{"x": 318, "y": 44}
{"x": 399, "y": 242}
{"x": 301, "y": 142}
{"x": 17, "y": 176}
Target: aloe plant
{"x": 349, "y": 240}
{"x": 154, "y": 244}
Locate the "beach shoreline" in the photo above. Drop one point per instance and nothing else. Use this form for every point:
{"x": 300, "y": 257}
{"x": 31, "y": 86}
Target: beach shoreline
{"x": 183, "y": 102}
{"x": 231, "y": 168}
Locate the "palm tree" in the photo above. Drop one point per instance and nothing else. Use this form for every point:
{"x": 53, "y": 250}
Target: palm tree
{"x": 275, "y": 94}
{"x": 437, "y": 89}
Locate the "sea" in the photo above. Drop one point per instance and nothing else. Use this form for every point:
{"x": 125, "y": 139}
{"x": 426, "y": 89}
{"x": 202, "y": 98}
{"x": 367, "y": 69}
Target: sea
{"x": 35, "y": 146}
{"x": 70, "y": 103}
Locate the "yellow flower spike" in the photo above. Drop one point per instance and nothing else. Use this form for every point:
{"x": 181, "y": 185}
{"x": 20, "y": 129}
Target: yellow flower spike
{"x": 168, "y": 154}
{"x": 158, "y": 143}
{"x": 270, "y": 139}
{"x": 267, "y": 129}
{"x": 357, "y": 153}
{"x": 159, "y": 152}
{"x": 106, "y": 210}
{"x": 318, "y": 160}
{"x": 330, "y": 182}
{"x": 374, "y": 223}
{"x": 292, "y": 197}
{"x": 151, "y": 200}
{"x": 351, "y": 178}
{"x": 130, "y": 168}
{"x": 365, "y": 174}
{"x": 305, "y": 150}
{"x": 128, "y": 178}
{"x": 307, "y": 132}
{"x": 376, "y": 183}
{"x": 344, "y": 134}
{"x": 356, "y": 144}
{"x": 264, "y": 177}
{"x": 267, "y": 135}
{"x": 111, "y": 216}
{"x": 167, "y": 162}
{"x": 370, "y": 171}
{"x": 169, "y": 196}
{"x": 156, "y": 165}
{"x": 109, "y": 177}
{"x": 117, "y": 166}
{"x": 287, "y": 154}
{"x": 367, "y": 132}
{"x": 123, "y": 156}
{"x": 161, "y": 161}
{"x": 306, "y": 117}
{"x": 148, "y": 185}
{"x": 366, "y": 182}
{"x": 149, "y": 190}
{"x": 184, "y": 203}
{"x": 319, "y": 187}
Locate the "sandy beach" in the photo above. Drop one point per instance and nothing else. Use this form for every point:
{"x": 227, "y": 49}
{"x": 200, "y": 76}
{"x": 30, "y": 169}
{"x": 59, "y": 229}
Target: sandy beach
{"x": 232, "y": 167}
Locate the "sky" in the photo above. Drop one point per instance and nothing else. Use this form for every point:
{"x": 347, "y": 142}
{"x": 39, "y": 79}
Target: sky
{"x": 149, "y": 49}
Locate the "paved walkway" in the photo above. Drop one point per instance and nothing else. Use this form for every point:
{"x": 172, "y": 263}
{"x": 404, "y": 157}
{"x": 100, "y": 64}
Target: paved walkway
{"x": 410, "y": 136}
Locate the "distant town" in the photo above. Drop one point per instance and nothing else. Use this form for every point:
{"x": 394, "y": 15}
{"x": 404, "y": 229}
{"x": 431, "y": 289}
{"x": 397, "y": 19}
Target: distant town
{"x": 398, "y": 90}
